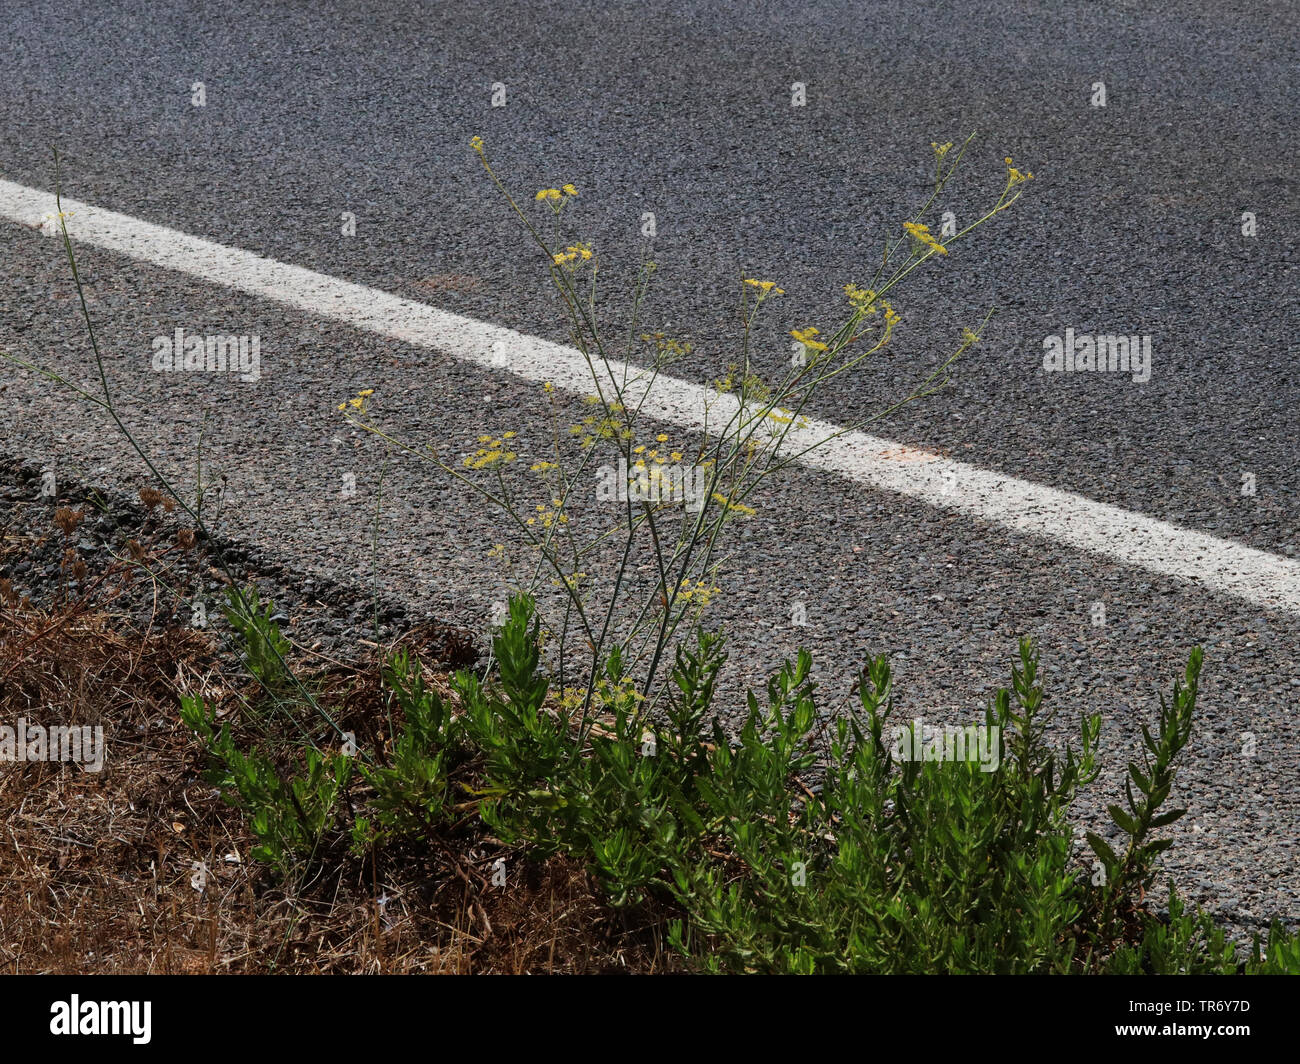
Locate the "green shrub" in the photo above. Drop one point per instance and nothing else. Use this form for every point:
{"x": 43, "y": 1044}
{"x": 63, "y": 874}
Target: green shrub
{"x": 798, "y": 845}
{"x": 289, "y": 815}
{"x": 1186, "y": 943}
{"x": 265, "y": 647}
{"x": 412, "y": 790}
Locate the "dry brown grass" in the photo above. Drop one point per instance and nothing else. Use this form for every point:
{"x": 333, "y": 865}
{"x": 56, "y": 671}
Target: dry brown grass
{"x": 100, "y": 867}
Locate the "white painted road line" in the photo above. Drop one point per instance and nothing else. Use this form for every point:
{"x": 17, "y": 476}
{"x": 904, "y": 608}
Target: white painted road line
{"x": 1218, "y": 565}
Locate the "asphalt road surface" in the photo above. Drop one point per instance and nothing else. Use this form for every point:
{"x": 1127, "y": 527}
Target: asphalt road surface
{"x": 1134, "y": 224}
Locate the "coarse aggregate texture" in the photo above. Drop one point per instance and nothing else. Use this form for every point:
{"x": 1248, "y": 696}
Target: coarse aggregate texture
{"x": 1132, "y": 225}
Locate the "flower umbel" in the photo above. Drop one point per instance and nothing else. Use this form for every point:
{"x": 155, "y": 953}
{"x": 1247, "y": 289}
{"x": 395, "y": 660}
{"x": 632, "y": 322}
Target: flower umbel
{"x": 572, "y": 253}
{"x": 357, "y": 404}
{"x": 765, "y": 288}
{"x": 557, "y": 198}
{"x": 493, "y": 452}
{"x": 1014, "y": 176}
{"x": 923, "y": 234}
{"x": 806, "y": 337}
{"x": 864, "y": 298}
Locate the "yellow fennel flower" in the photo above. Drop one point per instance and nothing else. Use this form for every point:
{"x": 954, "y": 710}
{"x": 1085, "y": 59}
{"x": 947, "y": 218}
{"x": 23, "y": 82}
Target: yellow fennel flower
{"x": 861, "y": 297}
{"x": 572, "y": 253}
{"x": 1014, "y": 176}
{"x": 805, "y": 337}
{"x": 922, "y": 233}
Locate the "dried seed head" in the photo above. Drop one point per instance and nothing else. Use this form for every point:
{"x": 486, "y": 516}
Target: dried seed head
{"x": 67, "y": 520}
